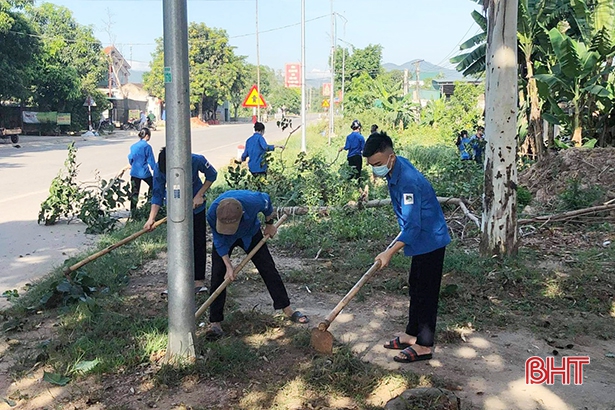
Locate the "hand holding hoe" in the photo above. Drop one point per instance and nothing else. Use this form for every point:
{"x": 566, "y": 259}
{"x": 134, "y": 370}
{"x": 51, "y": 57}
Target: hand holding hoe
{"x": 238, "y": 269}
{"x": 321, "y": 339}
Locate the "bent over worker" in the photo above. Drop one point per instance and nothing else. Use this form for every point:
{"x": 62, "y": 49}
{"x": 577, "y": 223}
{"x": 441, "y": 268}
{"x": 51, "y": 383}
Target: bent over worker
{"x": 233, "y": 218}
{"x": 199, "y": 188}
{"x": 424, "y": 236}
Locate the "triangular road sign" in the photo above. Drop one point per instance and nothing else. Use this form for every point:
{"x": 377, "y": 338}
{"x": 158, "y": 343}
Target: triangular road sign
{"x": 254, "y": 99}
{"x": 325, "y": 104}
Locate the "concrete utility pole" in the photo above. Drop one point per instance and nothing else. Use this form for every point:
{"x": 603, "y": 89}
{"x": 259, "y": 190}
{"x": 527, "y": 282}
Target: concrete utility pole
{"x": 417, "y": 69}
{"x": 258, "y": 69}
{"x": 332, "y": 93}
{"x": 405, "y": 81}
{"x": 343, "y": 66}
{"x": 303, "y": 110}
{"x": 179, "y": 183}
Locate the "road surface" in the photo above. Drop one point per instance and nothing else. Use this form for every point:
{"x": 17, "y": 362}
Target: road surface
{"x": 28, "y": 251}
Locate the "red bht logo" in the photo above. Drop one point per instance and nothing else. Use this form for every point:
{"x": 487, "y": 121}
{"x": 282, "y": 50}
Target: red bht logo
{"x": 539, "y": 371}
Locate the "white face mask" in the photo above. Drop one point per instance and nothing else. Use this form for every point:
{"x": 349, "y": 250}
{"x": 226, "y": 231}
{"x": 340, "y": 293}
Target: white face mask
{"x": 382, "y": 170}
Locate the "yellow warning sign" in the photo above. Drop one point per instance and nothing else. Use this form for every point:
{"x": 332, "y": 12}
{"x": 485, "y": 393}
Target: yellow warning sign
{"x": 325, "y": 104}
{"x": 254, "y": 99}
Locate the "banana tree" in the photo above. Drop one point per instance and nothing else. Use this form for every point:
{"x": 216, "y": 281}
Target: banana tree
{"x": 576, "y": 78}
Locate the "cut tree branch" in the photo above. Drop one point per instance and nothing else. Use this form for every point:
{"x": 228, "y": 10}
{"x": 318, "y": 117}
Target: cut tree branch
{"x": 323, "y": 210}
{"x": 568, "y": 215}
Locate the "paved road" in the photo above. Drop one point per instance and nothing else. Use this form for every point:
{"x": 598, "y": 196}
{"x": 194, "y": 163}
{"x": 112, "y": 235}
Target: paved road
{"x": 29, "y": 251}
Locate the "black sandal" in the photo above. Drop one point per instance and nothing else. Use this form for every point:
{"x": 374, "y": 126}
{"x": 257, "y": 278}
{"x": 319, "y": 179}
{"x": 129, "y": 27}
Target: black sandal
{"x": 411, "y": 356}
{"x": 299, "y": 317}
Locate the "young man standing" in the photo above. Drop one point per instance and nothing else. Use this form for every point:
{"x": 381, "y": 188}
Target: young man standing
{"x": 478, "y": 144}
{"x": 424, "y": 236}
{"x": 354, "y": 145}
{"x": 233, "y": 218}
{"x": 256, "y": 147}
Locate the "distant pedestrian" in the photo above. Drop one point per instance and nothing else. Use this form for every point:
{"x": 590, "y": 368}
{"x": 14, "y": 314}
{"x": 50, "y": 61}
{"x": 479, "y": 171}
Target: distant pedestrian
{"x": 463, "y": 144}
{"x": 142, "y": 120}
{"x": 200, "y": 165}
{"x": 354, "y": 145}
{"x": 233, "y": 218}
{"x": 374, "y": 129}
{"x": 478, "y": 144}
{"x": 142, "y": 164}
{"x": 255, "y": 150}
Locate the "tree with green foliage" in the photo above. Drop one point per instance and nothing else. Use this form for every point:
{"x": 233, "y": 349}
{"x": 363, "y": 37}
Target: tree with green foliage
{"x": 213, "y": 69}
{"x": 366, "y": 60}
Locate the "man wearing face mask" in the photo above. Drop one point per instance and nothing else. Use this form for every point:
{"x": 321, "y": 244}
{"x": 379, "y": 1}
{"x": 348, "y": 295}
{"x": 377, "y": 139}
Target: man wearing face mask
{"x": 424, "y": 236}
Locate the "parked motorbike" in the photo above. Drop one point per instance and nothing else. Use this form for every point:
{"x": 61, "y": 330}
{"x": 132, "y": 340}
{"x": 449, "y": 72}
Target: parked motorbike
{"x": 151, "y": 124}
{"x": 131, "y": 124}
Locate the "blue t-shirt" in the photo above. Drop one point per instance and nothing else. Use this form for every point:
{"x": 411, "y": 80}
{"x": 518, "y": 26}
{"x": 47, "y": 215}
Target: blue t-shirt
{"x": 256, "y": 147}
{"x": 199, "y": 164}
{"x": 464, "y": 148}
{"x": 252, "y": 203}
{"x": 355, "y": 142}
{"x": 419, "y": 214}
{"x": 141, "y": 155}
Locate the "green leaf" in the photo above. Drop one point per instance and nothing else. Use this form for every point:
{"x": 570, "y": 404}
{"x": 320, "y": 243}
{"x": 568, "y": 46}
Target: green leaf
{"x": 85, "y": 366}
{"x": 55, "y": 378}
{"x": 590, "y": 143}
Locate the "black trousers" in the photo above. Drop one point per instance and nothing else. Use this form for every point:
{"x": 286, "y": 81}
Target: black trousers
{"x": 356, "y": 161}
{"x": 266, "y": 268}
{"x": 424, "y": 283}
{"x": 136, "y": 187}
{"x": 199, "y": 227}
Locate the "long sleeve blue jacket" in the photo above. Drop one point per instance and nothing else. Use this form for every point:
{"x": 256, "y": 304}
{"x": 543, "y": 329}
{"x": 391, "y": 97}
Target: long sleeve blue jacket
{"x": 355, "y": 142}
{"x": 256, "y": 147}
{"x": 199, "y": 164}
{"x": 252, "y": 203}
{"x": 419, "y": 214}
{"x": 141, "y": 155}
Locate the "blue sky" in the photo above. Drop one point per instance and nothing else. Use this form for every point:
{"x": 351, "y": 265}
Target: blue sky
{"x": 407, "y": 29}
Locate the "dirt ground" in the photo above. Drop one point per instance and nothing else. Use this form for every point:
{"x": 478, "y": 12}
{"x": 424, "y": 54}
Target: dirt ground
{"x": 486, "y": 370}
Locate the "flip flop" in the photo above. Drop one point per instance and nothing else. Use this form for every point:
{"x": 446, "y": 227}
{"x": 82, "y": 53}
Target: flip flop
{"x": 396, "y": 344}
{"x": 299, "y": 317}
{"x": 213, "y": 333}
{"x": 412, "y": 356}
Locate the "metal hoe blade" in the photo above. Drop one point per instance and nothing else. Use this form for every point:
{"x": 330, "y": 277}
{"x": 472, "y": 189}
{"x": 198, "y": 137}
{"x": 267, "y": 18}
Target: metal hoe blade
{"x": 322, "y": 341}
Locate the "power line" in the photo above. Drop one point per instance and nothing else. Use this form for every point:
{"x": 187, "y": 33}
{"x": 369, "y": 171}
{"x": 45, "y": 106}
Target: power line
{"x": 449, "y": 55}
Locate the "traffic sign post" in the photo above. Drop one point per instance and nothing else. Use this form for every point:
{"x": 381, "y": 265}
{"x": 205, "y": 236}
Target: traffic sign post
{"x": 89, "y": 102}
{"x": 254, "y": 100}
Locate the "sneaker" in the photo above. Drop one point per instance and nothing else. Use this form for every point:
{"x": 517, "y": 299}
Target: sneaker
{"x": 201, "y": 289}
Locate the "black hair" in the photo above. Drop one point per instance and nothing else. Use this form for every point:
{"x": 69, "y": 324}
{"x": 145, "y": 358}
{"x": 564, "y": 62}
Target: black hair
{"x": 463, "y": 132}
{"x": 480, "y": 128}
{"x": 374, "y": 128}
{"x": 144, "y": 132}
{"x": 162, "y": 160}
{"x": 259, "y": 127}
{"x": 377, "y": 142}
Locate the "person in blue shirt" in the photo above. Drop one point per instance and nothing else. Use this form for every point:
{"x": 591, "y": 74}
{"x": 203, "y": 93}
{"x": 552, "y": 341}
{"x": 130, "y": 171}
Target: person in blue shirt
{"x": 233, "y": 218}
{"x": 142, "y": 162}
{"x": 200, "y": 165}
{"x": 354, "y": 145}
{"x": 424, "y": 236}
{"x": 255, "y": 149}
{"x": 478, "y": 144}
{"x": 463, "y": 143}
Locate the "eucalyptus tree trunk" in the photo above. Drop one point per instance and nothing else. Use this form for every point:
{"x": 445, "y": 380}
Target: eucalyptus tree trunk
{"x": 499, "y": 224}
{"x": 535, "y": 122}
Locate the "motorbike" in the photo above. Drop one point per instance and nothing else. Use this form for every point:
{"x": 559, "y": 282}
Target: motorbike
{"x": 131, "y": 124}
{"x": 150, "y": 124}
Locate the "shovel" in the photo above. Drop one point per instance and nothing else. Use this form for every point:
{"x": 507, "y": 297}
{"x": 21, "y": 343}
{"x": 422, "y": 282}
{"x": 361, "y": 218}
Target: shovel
{"x": 109, "y": 248}
{"x": 322, "y": 340}
{"x": 238, "y": 269}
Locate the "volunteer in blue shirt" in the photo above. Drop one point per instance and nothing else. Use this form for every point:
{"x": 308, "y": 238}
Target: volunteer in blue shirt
{"x": 478, "y": 144}
{"x": 255, "y": 149}
{"x": 354, "y": 145}
{"x": 464, "y": 145}
{"x": 424, "y": 236}
{"x": 233, "y": 218}
{"x": 199, "y": 165}
{"x": 142, "y": 162}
